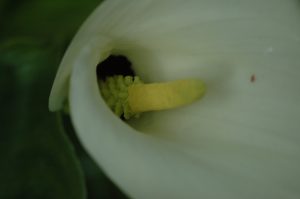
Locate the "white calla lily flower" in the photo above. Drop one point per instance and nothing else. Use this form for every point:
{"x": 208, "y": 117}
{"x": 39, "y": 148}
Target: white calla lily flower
{"x": 242, "y": 140}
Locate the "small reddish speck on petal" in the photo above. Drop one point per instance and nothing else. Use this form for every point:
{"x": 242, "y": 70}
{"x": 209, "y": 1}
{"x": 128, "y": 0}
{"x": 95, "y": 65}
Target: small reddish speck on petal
{"x": 253, "y": 78}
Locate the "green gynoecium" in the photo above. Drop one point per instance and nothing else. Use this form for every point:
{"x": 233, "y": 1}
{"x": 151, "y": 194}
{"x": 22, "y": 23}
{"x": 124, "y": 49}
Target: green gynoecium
{"x": 114, "y": 90}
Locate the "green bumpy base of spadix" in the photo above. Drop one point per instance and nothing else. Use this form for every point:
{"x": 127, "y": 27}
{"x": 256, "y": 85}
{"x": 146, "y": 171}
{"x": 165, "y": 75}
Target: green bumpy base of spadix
{"x": 114, "y": 90}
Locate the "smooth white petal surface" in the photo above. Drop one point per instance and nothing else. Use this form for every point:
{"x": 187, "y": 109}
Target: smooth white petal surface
{"x": 241, "y": 141}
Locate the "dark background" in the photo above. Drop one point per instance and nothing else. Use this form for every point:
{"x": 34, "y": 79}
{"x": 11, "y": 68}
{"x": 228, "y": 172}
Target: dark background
{"x": 40, "y": 154}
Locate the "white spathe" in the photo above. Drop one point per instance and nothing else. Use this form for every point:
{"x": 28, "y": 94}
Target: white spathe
{"x": 242, "y": 140}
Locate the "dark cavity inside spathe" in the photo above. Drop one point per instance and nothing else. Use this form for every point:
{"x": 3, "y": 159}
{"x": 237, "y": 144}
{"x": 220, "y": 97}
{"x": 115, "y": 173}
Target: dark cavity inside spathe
{"x": 114, "y": 65}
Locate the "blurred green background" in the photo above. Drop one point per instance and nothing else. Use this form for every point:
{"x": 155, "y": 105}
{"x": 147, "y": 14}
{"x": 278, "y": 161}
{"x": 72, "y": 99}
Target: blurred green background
{"x": 40, "y": 154}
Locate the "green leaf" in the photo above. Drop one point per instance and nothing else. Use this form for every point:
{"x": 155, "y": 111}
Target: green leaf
{"x": 37, "y": 160}
{"x": 43, "y": 19}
